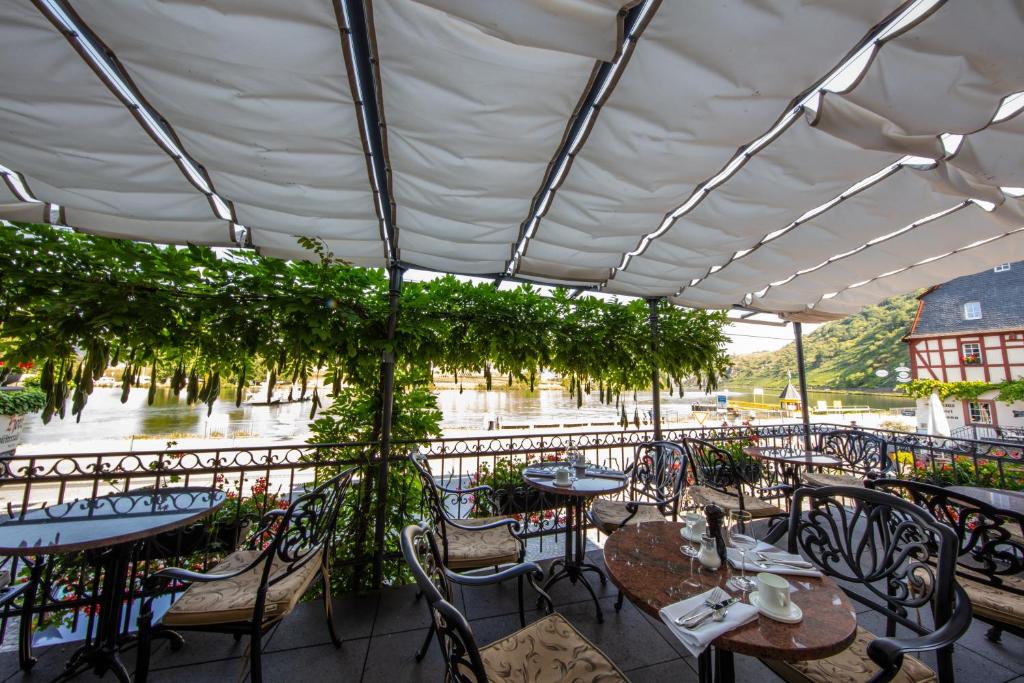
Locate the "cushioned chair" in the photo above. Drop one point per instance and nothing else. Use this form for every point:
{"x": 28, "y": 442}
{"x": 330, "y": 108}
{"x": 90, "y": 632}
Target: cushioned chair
{"x": 862, "y": 456}
{"x": 990, "y": 566}
{"x": 473, "y": 543}
{"x": 549, "y": 650}
{"x": 900, "y": 558}
{"x": 253, "y": 589}
{"x": 10, "y": 593}
{"x": 717, "y": 479}
{"x": 656, "y": 478}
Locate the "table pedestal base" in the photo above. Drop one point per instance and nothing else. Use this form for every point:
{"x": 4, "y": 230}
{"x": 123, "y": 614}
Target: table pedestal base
{"x": 715, "y": 666}
{"x": 574, "y": 565}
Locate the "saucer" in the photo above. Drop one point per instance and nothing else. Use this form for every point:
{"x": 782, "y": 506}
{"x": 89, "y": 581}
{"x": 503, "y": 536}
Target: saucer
{"x": 793, "y": 616}
{"x": 693, "y": 539}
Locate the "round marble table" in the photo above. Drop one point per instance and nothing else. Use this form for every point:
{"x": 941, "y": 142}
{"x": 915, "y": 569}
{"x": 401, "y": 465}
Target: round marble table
{"x": 790, "y": 461}
{"x": 644, "y": 561}
{"x": 109, "y": 527}
{"x": 596, "y": 483}
{"x": 1012, "y": 501}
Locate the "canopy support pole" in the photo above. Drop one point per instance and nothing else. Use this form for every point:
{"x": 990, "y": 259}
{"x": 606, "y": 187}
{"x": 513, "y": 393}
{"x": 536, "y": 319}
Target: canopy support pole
{"x": 655, "y": 377}
{"x": 798, "y": 336}
{"x": 387, "y": 383}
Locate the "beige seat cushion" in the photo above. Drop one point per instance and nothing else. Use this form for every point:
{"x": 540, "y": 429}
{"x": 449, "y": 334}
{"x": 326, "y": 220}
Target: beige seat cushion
{"x": 548, "y": 651}
{"x": 758, "y": 509}
{"x": 609, "y": 515}
{"x": 823, "y": 479}
{"x": 852, "y": 665}
{"x": 232, "y": 600}
{"x": 995, "y": 603}
{"x": 484, "y": 548}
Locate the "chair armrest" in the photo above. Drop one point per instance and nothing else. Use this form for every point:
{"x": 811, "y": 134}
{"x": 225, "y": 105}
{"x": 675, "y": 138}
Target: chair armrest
{"x": 516, "y": 570}
{"x": 180, "y": 574}
{"x": 888, "y": 652}
{"x": 777, "y": 531}
{"x": 481, "y": 527}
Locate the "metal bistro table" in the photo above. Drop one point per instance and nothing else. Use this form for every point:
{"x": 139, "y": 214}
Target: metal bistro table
{"x": 597, "y": 482}
{"x": 644, "y": 561}
{"x": 109, "y": 527}
{"x": 790, "y": 461}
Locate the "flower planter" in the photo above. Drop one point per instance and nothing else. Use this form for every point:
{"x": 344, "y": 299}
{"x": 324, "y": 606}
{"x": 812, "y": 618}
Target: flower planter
{"x": 513, "y": 500}
{"x": 11, "y": 427}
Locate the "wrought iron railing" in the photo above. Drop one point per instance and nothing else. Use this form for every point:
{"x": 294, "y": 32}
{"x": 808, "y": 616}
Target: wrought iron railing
{"x": 258, "y": 478}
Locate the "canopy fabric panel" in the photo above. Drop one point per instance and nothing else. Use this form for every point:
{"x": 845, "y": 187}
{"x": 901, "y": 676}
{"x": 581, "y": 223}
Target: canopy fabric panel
{"x": 994, "y": 155}
{"x": 366, "y": 253}
{"x": 258, "y": 91}
{"x": 948, "y": 73}
{"x": 696, "y": 88}
{"x": 463, "y": 173}
{"x": 209, "y": 232}
{"x": 942, "y": 235}
{"x": 801, "y": 169}
{"x": 70, "y": 137}
{"x": 588, "y": 28}
{"x": 893, "y": 203}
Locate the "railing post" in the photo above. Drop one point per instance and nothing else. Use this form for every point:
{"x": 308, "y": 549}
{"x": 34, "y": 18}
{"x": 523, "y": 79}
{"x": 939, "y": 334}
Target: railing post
{"x": 387, "y": 381}
{"x": 655, "y": 378}
{"x": 798, "y": 335}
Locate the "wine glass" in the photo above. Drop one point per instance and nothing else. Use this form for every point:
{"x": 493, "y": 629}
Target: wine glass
{"x": 741, "y": 537}
{"x": 689, "y": 520}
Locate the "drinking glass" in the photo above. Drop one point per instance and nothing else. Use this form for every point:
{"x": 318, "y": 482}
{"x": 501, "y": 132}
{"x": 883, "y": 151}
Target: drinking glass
{"x": 741, "y": 537}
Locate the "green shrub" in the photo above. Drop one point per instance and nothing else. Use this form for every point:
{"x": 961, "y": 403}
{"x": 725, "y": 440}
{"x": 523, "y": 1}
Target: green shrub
{"x": 21, "y": 401}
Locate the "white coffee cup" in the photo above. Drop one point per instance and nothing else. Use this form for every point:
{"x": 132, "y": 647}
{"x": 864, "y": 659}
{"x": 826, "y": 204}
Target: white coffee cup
{"x": 773, "y": 592}
{"x": 562, "y": 477}
{"x": 697, "y": 523}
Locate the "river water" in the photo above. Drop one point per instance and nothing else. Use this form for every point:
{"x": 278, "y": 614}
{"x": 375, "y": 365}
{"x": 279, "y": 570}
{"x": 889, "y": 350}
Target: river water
{"x": 105, "y": 419}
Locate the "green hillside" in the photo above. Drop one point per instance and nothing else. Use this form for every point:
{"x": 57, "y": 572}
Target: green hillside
{"x": 840, "y": 354}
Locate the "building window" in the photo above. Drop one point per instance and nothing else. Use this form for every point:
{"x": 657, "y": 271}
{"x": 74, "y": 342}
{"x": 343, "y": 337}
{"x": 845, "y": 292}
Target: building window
{"x": 1002, "y": 267}
{"x": 970, "y": 353}
{"x": 980, "y": 412}
{"x": 972, "y": 310}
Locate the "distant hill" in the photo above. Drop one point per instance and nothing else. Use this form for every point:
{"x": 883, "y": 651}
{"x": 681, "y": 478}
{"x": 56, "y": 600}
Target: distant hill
{"x": 840, "y": 354}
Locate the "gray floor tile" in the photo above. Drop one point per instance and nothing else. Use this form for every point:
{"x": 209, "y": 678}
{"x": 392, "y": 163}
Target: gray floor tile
{"x": 399, "y": 610}
{"x": 307, "y": 625}
{"x": 677, "y": 671}
{"x": 391, "y": 658}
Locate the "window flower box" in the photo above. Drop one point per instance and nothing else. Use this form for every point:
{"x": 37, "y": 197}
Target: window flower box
{"x": 972, "y": 359}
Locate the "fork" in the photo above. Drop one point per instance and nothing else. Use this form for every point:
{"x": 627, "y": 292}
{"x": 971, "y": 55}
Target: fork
{"x": 716, "y": 597}
{"x": 767, "y": 562}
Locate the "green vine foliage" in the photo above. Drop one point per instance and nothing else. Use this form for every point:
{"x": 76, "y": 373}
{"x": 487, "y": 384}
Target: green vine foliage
{"x": 353, "y": 419}
{"x": 1009, "y": 391}
{"x": 77, "y": 304}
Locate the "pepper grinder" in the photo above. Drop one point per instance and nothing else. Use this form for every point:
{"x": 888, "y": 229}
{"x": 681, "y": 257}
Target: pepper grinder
{"x": 714, "y": 516}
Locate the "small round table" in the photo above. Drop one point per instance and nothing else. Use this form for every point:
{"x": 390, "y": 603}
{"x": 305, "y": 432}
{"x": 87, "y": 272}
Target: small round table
{"x": 1012, "y": 501}
{"x": 108, "y": 526}
{"x": 644, "y": 561}
{"x": 574, "y": 564}
{"x": 791, "y": 461}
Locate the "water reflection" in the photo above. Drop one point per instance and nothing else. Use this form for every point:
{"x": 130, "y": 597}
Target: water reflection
{"x": 171, "y": 418}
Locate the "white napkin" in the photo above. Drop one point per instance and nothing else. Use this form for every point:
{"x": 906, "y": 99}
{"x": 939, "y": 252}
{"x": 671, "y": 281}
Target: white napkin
{"x": 770, "y": 551}
{"x": 697, "y": 640}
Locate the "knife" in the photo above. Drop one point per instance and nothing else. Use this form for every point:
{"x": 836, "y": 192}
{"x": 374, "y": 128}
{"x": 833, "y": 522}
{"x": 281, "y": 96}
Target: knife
{"x": 698, "y": 619}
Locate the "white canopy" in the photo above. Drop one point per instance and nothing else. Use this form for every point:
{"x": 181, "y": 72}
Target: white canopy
{"x": 800, "y": 157}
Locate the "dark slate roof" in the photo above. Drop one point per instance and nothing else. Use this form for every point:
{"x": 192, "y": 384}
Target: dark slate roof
{"x": 790, "y": 393}
{"x": 1001, "y": 296}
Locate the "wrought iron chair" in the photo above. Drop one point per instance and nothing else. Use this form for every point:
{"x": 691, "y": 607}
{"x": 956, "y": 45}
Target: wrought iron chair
{"x": 900, "y": 558}
{"x": 552, "y": 642}
{"x": 862, "y": 455}
{"x": 718, "y": 479}
{"x": 26, "y": 591}
{"x": 474, "y": 543}
{"x": 252, "y": 590}
{"x": 656, "y": 478}
{"x": 991, "y": 550}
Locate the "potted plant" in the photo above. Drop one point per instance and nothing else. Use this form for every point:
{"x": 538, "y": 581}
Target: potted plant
{"x": 15, "y": 404}
{"x": 510, "y": 494}
{"x": 971, "y": 359}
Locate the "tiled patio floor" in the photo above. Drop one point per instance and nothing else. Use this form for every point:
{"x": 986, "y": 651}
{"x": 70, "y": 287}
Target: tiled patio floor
{"x": 382, "y": 631}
